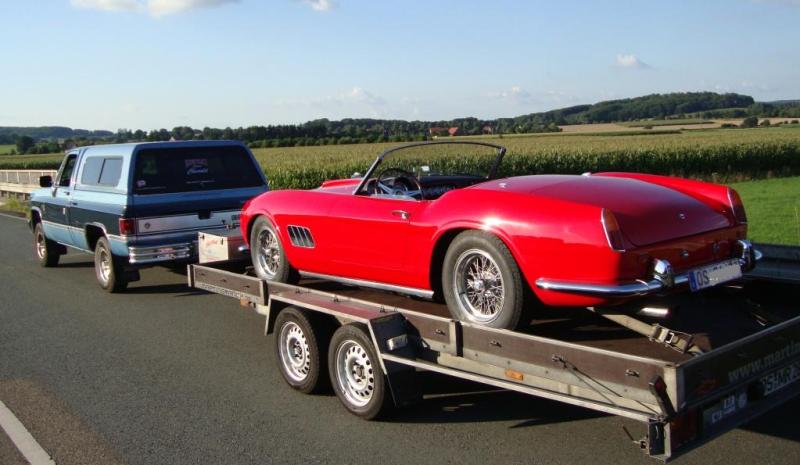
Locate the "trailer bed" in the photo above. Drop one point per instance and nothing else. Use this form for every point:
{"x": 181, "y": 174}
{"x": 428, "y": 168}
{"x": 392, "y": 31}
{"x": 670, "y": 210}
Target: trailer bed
{"x": 749, "y": 345}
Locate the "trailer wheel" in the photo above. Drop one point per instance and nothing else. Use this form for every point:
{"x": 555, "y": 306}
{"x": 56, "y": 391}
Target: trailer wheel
{"x": 356, "y": 373}
{"x": 297, "y": 347}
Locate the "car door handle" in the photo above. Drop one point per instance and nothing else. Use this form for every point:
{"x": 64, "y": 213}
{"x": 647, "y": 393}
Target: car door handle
{"x": 73, "y": 203}
{"x": 401, "y": 213}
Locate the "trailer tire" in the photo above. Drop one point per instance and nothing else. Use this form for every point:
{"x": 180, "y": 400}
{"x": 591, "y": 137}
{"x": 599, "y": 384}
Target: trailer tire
{"x": 299, "y": 346}
{"x": 356, "y": 373}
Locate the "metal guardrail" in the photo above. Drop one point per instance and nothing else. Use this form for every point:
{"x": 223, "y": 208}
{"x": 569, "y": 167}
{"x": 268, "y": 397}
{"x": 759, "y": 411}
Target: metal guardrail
{"x": 20, "y": 183}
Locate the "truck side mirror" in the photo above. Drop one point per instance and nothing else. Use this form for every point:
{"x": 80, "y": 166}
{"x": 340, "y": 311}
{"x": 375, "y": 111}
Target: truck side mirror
{"x": 45, "y": 181}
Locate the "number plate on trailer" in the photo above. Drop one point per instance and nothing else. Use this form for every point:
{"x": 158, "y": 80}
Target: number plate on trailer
{"x": 712, "y": 275}
{"x": 779, "y": 379}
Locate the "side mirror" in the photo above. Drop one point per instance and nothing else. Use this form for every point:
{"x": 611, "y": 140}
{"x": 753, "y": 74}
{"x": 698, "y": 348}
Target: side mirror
{"x": 45, "y": 181}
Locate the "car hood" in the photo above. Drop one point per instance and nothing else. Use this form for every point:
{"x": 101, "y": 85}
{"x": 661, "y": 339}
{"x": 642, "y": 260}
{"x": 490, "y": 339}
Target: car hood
{"x": 647, "y": 213}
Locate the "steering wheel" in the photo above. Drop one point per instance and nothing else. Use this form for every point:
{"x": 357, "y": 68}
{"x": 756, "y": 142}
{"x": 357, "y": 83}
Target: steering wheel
{"x": 396, "y": 181}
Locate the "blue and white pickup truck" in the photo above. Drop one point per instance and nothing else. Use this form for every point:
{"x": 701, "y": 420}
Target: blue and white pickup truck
{"x": 140, "y": 204}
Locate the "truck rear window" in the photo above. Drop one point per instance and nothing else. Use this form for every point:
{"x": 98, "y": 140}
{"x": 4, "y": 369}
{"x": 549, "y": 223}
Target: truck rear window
{"x": 188, "y": 169}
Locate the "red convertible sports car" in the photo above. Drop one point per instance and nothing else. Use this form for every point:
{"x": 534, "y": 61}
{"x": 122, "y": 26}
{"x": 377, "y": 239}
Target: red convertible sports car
{"x": 416, "y": 224}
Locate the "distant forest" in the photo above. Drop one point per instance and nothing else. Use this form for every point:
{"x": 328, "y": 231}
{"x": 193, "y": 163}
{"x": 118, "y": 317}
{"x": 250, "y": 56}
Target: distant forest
{"x": 348, "y": 131}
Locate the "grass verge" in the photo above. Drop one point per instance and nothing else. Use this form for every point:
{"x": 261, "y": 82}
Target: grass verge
{"x": 773, "y": 209}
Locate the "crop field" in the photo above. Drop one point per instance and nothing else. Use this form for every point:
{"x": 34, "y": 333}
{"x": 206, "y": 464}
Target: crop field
{"x": 667, "y": 122}
{"x": 728, "y": 155}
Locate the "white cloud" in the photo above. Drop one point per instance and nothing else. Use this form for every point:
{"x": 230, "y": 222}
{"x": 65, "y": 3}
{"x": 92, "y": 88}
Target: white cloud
{"x": 108, "y": 5}
{"x": 156, "y": 8}
{"x": 515, "y": 94}
{"x": 360, "y": 95}
{"x": 320, "y": 5}
{"x": 630, "y": 61}
{"x": 355, "y": 101}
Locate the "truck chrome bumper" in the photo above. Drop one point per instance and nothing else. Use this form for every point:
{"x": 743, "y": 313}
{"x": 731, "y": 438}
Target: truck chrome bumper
{"x": 662, "y": 278}
{"x": 162, "y": 253}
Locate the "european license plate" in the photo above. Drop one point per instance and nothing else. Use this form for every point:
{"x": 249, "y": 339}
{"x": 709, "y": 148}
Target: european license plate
{"x": 781, "y": 378}
{"x": 712, "y": 275}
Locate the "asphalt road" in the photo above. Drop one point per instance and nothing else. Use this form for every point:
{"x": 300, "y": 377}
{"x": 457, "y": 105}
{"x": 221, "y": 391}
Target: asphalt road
{"x": 166, "y": 374}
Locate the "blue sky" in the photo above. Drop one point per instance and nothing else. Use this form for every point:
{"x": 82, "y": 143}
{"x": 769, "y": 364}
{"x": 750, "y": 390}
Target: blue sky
{"x": 109, "y": 64}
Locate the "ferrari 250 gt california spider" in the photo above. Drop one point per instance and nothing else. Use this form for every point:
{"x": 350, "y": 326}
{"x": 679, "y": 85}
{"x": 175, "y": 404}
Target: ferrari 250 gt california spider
{"x": 415, "y": 223}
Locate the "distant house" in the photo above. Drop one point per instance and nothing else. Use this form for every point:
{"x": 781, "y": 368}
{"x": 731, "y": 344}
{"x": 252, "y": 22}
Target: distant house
{"x": 436, "y": 131}
{"x": 488, "y": 129}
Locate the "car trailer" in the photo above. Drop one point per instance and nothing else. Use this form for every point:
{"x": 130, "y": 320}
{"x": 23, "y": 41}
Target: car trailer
{"x": 723, "y": 360}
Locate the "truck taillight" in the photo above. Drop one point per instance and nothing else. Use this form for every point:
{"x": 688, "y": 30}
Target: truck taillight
{"x": 611, "y": 228}
{"x": 737, "y": 207}
{"x": 127, "y": 226}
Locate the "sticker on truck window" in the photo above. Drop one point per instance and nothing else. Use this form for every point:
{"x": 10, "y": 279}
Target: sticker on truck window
{"x": 195, "y": 166}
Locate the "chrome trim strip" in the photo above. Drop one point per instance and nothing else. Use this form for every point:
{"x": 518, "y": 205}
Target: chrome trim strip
{"x": 154, "y": 254}
{"x": 657, "y": 284}
{"x": 424, "y": 293}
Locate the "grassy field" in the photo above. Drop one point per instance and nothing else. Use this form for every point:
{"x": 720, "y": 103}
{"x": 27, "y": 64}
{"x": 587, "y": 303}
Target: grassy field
{"x": 6, "y": 149}
{"x": 773, "y": 209}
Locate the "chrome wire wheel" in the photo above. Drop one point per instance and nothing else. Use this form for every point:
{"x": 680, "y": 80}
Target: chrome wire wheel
{"x": 41, "y": 246}
{"x": 104, "y": 265}
{"x": 478, "y": 284}
{"x": 269, "y": 252}
{"x": 354, "y": 373}
{"x": 294, "y": 352}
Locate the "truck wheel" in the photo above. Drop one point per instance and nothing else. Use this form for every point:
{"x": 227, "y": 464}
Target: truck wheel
{"x": 267, "y": 253}
{"x": 46, "y": 250}
{"x": 356, "y": 373}
{"x": 297, "y": 347}
{"x": 481, "y": 281}
{"x": 108, "y": 268}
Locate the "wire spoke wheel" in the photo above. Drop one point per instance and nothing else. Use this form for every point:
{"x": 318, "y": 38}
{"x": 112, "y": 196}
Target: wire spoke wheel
{"x": 294, "y": 352}
{"x": 478, "y": 284}
{"x": 355, "y": 373}
{"x": 269, "y": 252}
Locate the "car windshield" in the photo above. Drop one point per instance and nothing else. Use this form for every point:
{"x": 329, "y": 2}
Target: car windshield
{"x": 417, "y": 166}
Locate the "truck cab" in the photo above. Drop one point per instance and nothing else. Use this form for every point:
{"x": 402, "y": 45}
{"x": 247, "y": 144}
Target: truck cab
{"x": 141, "y": 204}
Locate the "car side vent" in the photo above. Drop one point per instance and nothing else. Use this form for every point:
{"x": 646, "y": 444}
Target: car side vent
{"x": 300, "y": 237}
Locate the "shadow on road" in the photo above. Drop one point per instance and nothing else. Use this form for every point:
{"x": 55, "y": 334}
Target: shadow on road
{"x": 780, "y": 422}
{"x": 450, "y": 400}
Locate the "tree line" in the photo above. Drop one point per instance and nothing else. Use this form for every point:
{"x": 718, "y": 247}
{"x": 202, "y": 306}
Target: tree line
{"x": 367, "y": 130}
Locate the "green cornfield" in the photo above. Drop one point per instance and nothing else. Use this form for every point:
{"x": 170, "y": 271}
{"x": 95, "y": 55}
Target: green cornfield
{"x": 721, "y": 155}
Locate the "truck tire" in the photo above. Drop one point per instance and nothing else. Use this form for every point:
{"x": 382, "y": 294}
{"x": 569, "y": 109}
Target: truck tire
{"x": 108, "y": 268}
{"x": 481, "y": 281}
{"x": 299, "y": 347}
{"x": 268, "y": 254}
{"x": 356, "y": 373}
{"x": 47, "y": 253}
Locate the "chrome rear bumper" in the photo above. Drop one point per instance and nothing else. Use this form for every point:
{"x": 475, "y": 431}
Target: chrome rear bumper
{"x": 161, "y": 253}
{"x": 663, "y": 279}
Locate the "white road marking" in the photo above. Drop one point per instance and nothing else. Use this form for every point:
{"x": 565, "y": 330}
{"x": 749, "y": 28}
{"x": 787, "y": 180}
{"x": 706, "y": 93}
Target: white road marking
{"x": 13, "y": 216}
{"x": 23, "y": 439}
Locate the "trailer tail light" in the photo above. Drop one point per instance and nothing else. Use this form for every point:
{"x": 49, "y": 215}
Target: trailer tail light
{"x": 684, "y": 428}
{"x": 127, "y": 226}
{"x": 611, "y": 228}
{"x": 737, "y": 207}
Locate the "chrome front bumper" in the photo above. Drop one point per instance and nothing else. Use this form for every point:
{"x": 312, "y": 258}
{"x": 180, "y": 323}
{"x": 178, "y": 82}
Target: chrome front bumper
{"x": 161, "y": 253}
{"x": 662, "y": 279}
